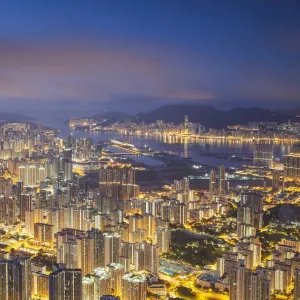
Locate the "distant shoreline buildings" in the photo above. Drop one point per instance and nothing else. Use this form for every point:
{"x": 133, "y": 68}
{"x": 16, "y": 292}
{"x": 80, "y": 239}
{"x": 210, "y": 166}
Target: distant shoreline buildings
{"x": 254, "y": 131}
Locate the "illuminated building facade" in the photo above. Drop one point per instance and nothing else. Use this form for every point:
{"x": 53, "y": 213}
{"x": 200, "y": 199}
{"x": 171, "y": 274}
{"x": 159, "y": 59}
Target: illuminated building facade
{"x": 275, "y": 180}
{"x": 43, "y": 233}
{"x": 134, "y": 287}
{"x": 212, "y": 181}
{"x": 292, "y": 165}
{"x": 222, "y": 180}
{"x": 65, "y": 284}
{"x": 15, "y": 278}
{"x": 263, "y": 154}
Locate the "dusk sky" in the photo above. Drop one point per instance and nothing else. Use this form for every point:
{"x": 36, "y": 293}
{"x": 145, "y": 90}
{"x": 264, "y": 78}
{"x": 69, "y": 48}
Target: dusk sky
{"x": 87, "y": 56}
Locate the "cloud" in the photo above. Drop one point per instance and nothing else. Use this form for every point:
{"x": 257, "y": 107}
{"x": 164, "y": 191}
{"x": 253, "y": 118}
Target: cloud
{"x": 86, "y": 75}
{"x": 189, "y": 95}
{"x": 82, "y": 70}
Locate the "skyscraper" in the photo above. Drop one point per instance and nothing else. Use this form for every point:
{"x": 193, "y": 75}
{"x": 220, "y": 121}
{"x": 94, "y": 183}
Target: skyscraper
{"x": 134, "y": 287}
{"x": 23, "y": 174}
{"x": 101, "y": 279}
{"x": 222, "y": 181}
{"x": 162, "y": 239}
{"x": 212, "y": 181}
{"x": 180, "y": 213}
{"x": 32, "y": 178}
{"x": 292, "y": 165}
{"x": 263, "y": 154}
{"x": 246, "y": 285}
{"x": 117, "y": 272}
{"x": 121, "y": 175}
{"x": 25, "y": 204}
{"x": 19, "y": 191}
{"x": 43, "y": 233}
{"x": 65, "y": 284}
{"x": 112, "y": 248}
{"x": 252, "y": 199}
{"x": 41, "y": 174}
{"x": 76, "y": 249}
{"x": 250, "y": 214}
{"x": 40, "y": 285}
{"x": 15, "y": 278}
{"x": 151, "y": 254}
{"x": 68, "y": 170}
{"x": 275, "y": 180}
{"x": 11, "y": 210}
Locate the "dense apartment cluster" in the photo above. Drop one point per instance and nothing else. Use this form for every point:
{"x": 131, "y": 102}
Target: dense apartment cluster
{"x": 66, "y": 235}
{"x": 74, "y": 239}
{"x": 241, "y": 270}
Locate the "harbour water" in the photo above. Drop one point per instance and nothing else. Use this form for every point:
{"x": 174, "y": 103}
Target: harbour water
{"x": 200, "y": 151}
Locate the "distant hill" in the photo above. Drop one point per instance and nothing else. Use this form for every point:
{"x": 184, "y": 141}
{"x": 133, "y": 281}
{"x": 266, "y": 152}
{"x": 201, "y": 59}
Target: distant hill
{"x": 112, "y": 115}
{"x": 212, "y": 117}
{"x": 9, "y": 117}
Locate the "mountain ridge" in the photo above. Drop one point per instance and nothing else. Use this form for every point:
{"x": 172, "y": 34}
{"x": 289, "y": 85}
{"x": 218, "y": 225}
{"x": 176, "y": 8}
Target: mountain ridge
{"x": 212, "y": 117}
{"x": 207, "y": 115}
{"x": 14, "y": 117}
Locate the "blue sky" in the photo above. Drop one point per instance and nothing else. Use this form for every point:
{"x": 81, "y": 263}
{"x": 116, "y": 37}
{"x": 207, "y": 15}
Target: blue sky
{"x": 84, "y": 56}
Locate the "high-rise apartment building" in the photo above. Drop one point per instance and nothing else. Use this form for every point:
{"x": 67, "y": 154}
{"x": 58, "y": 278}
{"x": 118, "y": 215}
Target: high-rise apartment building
{"x": 117, "y": 271}
{"x": 22, "y": 174}
{"x": 41, "y": 174}
{"x": 19, "y": 191}
{"x": 101, "y": 281}
{"x": 65, "y": 284}
{"x": 15, "y": 278}
{"x": 275, "y": 180}
{"x": 250, "y": 252}
{"x": 43, "y": 233}
{"x": 162, "y": 239}
{"x": 212, "y": 181}
{"x": 40, "y": 285}
{"x": 26, "y": 203}
{"x": 292, "y": 165}
{"x": 263, "y": 154}
{"x": 247, "y": 285}
{"x": 253, "y": 199}
{"x": 8, "y": 209}
{"x": 151, "y": 256}
{"x": 121, "y": 175}
{"x": 222, "y": 180}
{"x": 112, "y": 248}
{"x": 76, "y": 249}
{"x": 249, "y": 214}
{"x": 227, "y": 262}
{"x": 134, "y": 287}
{"x": 182, "y": 185}
{"x": 68, "y": 170}
{"x": 31, "y": 177}
{"x": 149, "y": 225}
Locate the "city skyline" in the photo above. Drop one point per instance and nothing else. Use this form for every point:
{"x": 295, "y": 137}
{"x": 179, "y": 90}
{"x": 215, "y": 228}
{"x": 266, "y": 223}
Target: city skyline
{"x": 130, "y": 211}
{"x": 149, "y": 150}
